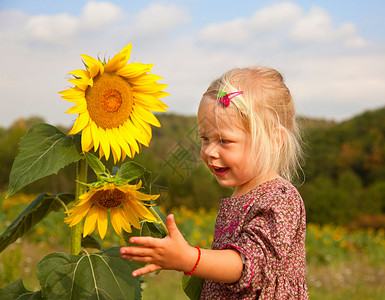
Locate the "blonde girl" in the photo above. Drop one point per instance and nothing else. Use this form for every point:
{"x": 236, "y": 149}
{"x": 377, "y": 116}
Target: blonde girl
{"x": 250, "y": 141}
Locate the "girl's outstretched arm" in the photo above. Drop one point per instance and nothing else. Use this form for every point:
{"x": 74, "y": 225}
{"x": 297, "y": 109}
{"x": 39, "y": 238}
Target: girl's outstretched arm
{"x": 174, "y": 253}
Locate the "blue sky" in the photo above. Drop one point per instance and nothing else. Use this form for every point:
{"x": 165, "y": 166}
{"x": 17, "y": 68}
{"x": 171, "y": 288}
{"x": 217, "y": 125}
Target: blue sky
{"x": 332, "y": 53}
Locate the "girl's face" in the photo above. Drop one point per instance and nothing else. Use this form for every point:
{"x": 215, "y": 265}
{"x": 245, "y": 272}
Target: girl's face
{"x": 226, "y": 146}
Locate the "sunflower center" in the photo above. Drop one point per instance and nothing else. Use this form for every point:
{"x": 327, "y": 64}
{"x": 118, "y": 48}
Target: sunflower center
{"x": 109, "y": 100}
{"x": 112, "y": 101}
{"x": 109, "y": 198}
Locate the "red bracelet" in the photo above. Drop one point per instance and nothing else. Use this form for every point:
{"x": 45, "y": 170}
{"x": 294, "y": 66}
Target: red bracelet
{"x": 196, "y": 264}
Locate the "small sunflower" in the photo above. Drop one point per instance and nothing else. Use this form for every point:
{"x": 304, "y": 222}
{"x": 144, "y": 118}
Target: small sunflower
{"x": 123, "y": 203}
{"x": 114, "y": 101}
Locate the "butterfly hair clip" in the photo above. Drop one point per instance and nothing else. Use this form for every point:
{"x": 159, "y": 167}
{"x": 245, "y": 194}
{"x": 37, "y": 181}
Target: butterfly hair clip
{"x": 225, "y": 97}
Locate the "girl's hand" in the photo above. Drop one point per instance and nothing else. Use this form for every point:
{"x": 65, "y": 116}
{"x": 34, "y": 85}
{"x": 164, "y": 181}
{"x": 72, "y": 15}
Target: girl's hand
{"x": 170, "y": 253}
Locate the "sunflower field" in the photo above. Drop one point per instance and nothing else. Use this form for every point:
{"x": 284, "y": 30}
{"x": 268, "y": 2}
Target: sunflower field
{"x": 341, "y": 263}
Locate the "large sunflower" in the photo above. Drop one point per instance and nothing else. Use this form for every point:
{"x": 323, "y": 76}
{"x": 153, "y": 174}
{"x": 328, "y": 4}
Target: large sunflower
{"x": 123, "y": 203}
{"x": 114, "y": 101}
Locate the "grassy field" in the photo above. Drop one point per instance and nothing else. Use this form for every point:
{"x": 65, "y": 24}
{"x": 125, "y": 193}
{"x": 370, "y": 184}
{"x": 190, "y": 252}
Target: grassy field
{"x": 341, "y": 264}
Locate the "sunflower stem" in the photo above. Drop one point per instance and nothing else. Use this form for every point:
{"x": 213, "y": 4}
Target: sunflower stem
{"x": 76, "y": 230}
{"x": 158, "y": 218}
{"x": 62, "y": 204}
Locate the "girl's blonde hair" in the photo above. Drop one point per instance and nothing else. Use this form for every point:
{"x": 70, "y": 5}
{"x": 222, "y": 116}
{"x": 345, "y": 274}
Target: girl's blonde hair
{"x": 267, "y": 111}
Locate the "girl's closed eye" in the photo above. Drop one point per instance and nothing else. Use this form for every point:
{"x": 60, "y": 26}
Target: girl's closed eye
{"x": 224, "y": 141}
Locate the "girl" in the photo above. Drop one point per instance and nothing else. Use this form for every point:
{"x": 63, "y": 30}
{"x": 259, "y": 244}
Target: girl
{"x": 250, "y": 141}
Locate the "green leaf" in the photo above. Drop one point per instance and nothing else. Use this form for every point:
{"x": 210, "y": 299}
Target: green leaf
{"x": 17, "y": 291}
{"x": 192, "y": 286}
{"x": 44, "y": 150}
{"x": 153, "y": 230}
{"x": 131, "y": 170}
{"x": 33, "y": 214}
{"x": 160, "y": 214}
{"x": 147, "y": 182}
{"x": 90, "y": 242}
{"x": 95, "y": 163}
{"x": 101, "y": 275}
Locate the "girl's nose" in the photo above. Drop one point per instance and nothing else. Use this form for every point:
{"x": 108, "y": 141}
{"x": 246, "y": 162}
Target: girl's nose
{"x": 210, "y": 150}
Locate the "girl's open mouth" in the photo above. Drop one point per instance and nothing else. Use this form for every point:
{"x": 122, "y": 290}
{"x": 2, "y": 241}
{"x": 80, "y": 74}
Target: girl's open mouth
{"x": 220, "y": 171}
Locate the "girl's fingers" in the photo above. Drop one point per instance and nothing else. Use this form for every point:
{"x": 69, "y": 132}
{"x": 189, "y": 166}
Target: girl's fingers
{"x": 136, "y": 251}
{"x": 146, "y": 269}
{"x": 171, "y": 227}
{"x": 139, "y": 258}
{"x": 145, "y": 241}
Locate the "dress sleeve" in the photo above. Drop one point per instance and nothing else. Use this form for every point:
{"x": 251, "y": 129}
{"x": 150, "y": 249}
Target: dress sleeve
{"x": 265, "y": 238}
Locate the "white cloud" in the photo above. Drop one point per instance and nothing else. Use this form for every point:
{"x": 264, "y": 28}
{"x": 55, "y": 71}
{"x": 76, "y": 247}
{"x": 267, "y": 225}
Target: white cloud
{"x": 64, "y": 28}
{"x": 280, "y": 23}
{"x": 51, "y": 28}
{"x": 317, "y": 26}
{"x": 231, "y": 32}
{"x": 158, "y": 18}
{"x": 95, "y": 15}
{"x": 242, "y": 30}
{"x": 276, "y": 16}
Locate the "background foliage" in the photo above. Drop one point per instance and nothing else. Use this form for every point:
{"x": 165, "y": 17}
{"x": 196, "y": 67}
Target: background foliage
{"x": 344, "y": 167}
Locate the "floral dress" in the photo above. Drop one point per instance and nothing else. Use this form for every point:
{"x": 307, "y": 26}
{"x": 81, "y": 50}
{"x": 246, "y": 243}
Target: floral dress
{"x": 267, "y": 226}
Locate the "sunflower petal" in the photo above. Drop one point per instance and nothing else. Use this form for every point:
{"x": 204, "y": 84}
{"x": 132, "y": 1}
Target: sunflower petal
{"x": 122, "y": 142}
{"x": 116, "y": 218}
{"x": 73, "y": 92}
{"x": 75, "y": 95}
{"x": 160, "y": 94}
{"x": 115, "y": 148}
{"x": 94, "y": 66}
{"x": 146, "y": 116}
{"x": 129, "y": 137}
{"x": 101, "y": 153}
{"x": 142, "y": 196}
{"x": 119, "y": 60}
{"x": 159, "y": 106}
{"x": 104, "y": 144}
{"x": 131, "y": 216}
{"x": 137, "y": 133}
{"x": 102, "y": 223}
{"x": 95, "y": 134}
{"x": 125, "y": 224}
{"x": 91, "y": 219}
{"x": 149, "y": 88}
{"x": 134, "y": 70}
{"x": 144, "y": 127}
{"x": 81, "y": 73}
{"x": 78, "y": 108}
{"x": 141, "y": 210}
{"x": 124, "y": 154}
{"x": 149, "y": 99}
{"x": 144, "y": 79}
{"x": 87, "y": 142}
{"x": 81, "y": 122}
{"x": 77, "y": 213}
{"x": 82, "y": 83}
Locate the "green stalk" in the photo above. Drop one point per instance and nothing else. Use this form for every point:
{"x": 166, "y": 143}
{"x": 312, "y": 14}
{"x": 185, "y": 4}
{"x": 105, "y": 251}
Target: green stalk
{"x": 76, "y": 231}
{"x": 158, "y": 218}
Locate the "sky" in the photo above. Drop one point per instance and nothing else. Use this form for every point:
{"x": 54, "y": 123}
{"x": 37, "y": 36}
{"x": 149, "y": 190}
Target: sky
{"x": 331, "y": 53}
